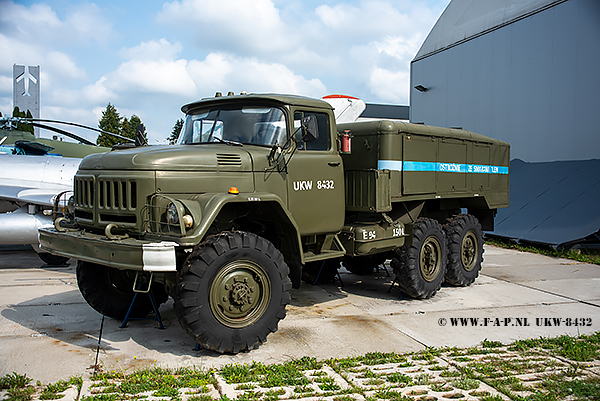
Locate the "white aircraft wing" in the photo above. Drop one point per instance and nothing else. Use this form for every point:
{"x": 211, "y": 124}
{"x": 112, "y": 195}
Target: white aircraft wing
{"x": 27, "y": 192}
{"x": 35, "y": 179}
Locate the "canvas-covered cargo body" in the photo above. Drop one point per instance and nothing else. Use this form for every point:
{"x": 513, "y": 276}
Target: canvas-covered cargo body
{"x": 394, "y": 161}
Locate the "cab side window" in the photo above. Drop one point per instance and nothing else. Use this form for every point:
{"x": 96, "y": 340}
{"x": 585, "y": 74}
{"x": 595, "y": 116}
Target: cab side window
{"x": 322, "y": 143}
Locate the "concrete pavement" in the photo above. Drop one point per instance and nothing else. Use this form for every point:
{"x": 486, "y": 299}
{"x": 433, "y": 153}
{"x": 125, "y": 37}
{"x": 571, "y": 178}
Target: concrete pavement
{"x": 49, "y": 332}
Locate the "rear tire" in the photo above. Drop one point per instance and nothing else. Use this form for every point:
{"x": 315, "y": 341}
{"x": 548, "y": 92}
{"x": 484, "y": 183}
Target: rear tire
{"x": 232, "y": 292}
{"x": 465, "y": 250}
{"x": 110, "y": 291}
{"x": 420, "y": 266}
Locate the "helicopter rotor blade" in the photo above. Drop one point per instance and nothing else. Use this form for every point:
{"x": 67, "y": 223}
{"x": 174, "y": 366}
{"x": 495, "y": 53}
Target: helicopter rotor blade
{"x": 63, "y": 132}
{"x": 77, "y": 125}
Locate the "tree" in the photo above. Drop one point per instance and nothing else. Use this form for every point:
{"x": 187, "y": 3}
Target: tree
{"x": 130, "y": 127}
{"x": 22, "y": 114}
{"x": 176, "y": 131}
{"x": 111, "y": 121}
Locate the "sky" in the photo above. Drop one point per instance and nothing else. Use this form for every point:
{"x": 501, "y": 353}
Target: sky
{"x": 149, "y": 58}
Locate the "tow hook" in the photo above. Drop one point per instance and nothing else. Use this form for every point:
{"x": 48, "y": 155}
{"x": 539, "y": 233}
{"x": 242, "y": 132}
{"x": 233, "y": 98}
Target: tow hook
{"x": 110, "y": 235}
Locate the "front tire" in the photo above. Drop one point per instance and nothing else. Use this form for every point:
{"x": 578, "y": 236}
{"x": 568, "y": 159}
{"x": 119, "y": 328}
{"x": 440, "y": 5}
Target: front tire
{"x": 53, "y": 260}
{"x": 110, "y": 291}
{"x": 420, "y": 266}
{"x": 232, "y": 292}
{"x": 465, "y": 246}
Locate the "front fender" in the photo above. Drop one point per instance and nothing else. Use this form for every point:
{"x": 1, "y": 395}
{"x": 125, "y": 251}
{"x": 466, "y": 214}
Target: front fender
{"x": 211, "y": 205}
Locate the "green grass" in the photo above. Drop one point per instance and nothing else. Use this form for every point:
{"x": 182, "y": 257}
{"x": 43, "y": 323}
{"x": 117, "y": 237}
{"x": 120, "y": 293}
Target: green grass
{"x": 17, "y": 386}
{"x": 527, "y": 370}
{"x": 491, "y": 344}
{"x": 161, "y": 382}
{"x": 466, "y": 383}
{"x": 581, "y": 255}
{"x": 286, "y": 374}
{"x": 52, "y": 391}
{"x": 20, "y": 393}
{"x": 582, "y": 348}
{"x": 392, "y": 395}
{"x": 14, "y": 380}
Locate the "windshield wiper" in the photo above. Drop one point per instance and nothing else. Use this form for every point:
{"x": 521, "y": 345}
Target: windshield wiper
{"x": 230, "y": 143}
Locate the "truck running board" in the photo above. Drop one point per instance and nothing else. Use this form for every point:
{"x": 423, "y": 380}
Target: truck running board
{"x": 331, "y": 248}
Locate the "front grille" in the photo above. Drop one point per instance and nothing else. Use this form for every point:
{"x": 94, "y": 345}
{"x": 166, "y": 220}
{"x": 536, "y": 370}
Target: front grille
{"x": 224, "y": 159}
{"x": 117, "y": 194}
{"x": 84, "y": 192}
{"x": 102, "y": 199}
{"x": 84, "y": 215}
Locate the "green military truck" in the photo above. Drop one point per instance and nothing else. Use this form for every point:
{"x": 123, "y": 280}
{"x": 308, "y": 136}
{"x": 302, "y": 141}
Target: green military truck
{"x": 263, "y": 189}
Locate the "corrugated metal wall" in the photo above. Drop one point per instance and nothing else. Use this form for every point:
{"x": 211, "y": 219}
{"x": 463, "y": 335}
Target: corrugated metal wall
{"x": 534, "y": 83}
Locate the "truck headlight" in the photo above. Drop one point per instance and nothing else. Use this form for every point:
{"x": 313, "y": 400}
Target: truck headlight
{"x": 172, "y": 214}
{"x": 173, "y": 217}
{"x": 71, "y": 205}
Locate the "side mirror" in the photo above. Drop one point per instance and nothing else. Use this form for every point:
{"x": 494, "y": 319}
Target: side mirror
{"x": 275, "y": 155}
{"x": 310, "y": 129}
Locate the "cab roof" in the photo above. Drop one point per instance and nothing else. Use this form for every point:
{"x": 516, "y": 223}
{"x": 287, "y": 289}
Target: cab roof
{"x": 260, "y": 98}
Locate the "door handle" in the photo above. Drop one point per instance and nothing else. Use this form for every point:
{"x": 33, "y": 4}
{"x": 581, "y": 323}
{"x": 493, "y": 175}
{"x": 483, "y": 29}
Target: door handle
{"x": 334, "y": 164}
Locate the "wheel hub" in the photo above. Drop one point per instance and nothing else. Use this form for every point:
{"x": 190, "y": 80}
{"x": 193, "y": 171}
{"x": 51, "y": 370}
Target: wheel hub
{"x": 431, "y": 255}
{"x": 469, "y": 251}
{"x": 239, "y": 294}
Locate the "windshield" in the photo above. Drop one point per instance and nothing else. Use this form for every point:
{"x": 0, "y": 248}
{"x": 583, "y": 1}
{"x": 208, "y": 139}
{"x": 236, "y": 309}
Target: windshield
{"x": 241, "y": 124}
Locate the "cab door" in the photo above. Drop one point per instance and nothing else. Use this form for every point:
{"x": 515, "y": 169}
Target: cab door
{"x": 315, "y": 180}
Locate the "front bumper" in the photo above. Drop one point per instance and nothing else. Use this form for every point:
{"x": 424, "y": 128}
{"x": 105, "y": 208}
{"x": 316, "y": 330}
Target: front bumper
{"x": 129, "y": 253}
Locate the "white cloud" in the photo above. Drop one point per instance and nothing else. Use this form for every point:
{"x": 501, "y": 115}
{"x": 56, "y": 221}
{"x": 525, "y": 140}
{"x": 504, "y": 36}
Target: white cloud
{"x": 6, "y": 106}
{"x": 23, "y": 19}
{"x": 212, "y": 72}
{"x": 340, "y": 44}
{"x": 15, "y": 51}
{"x": 6, "y": 84}
{"x": 255, "y": 76}
{"x": 333, "y": 17}
{"x": 389, "y": 86}
{"x": 161, "y": 76}
{"x": 151, "y": 68}
{"x": 249, "y": 27}
{"x": 399, "y": 47}
{"x": 98, "y": 92}
{"x": 63, "y": 66}
{"x": 40, "y": 23}
{"x": 189, "y": 79}
{"x": 222, "y": 73}
{"x": 367, "y": 21}
{"x": 88, "y": 24}
{"x": 153, "y": 50}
